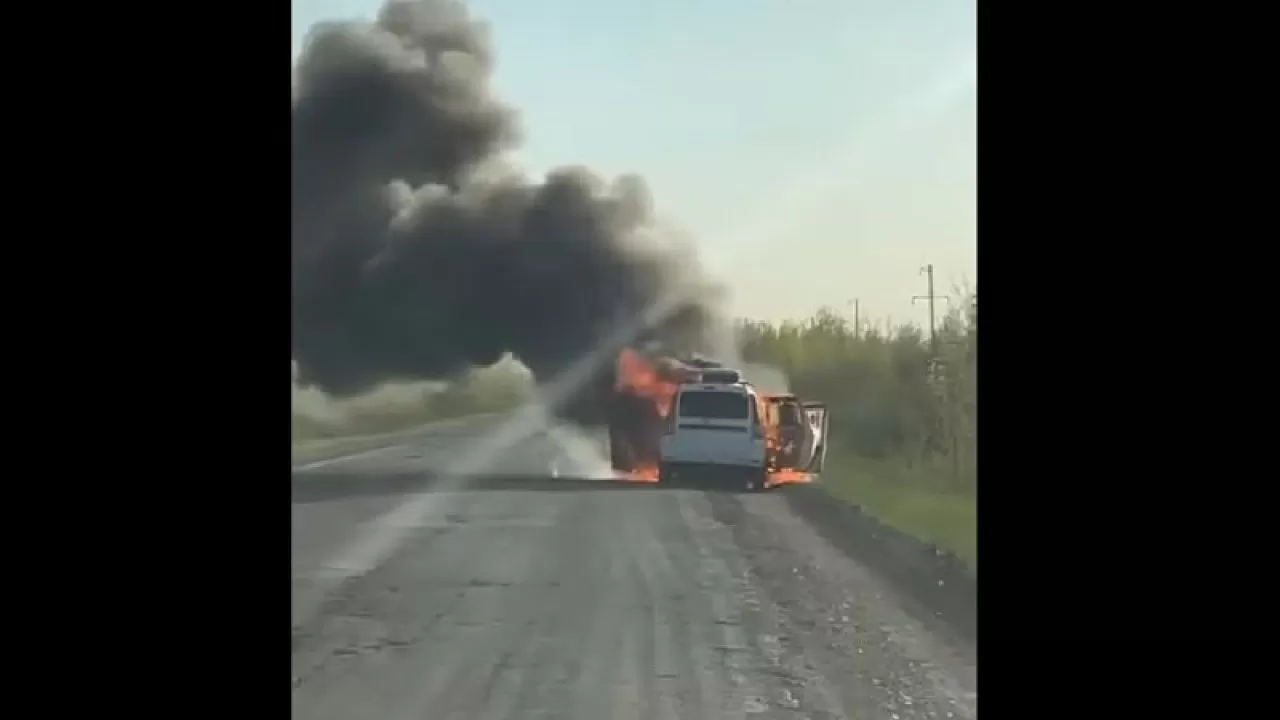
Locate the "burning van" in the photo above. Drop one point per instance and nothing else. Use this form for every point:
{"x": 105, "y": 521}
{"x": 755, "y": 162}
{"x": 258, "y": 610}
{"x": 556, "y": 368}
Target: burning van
{"x": 790, "y": 434}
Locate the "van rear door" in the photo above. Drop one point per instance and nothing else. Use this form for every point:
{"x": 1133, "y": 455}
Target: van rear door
{"x": 820, "y": 424}
{"x": 715, "y": 425}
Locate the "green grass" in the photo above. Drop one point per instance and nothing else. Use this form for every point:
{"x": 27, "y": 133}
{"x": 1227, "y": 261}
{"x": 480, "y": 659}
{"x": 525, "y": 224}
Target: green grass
{"x": 917, "y": 501}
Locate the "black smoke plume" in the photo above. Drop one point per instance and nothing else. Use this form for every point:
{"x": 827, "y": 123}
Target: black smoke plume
{"x": 416, "y": 253}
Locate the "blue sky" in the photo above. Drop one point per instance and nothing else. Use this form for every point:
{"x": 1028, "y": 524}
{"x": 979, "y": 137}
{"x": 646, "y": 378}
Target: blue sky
{"x": 825, "y": 146}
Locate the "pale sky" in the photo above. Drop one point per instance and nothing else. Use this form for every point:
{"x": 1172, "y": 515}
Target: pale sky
{"x": 816, "y": 150}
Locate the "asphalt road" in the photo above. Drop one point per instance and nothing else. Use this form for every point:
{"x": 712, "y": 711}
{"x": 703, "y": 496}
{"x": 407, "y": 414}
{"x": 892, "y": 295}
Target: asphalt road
{"x": 498, "y": 590}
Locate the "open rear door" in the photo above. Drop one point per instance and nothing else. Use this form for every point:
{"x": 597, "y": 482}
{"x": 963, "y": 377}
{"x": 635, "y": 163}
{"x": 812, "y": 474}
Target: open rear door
{"x": 820, "y": 423}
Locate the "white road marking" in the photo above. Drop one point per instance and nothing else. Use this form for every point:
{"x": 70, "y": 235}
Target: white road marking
{"x": 347, "y": 458}
{"x": 404, "y": 444}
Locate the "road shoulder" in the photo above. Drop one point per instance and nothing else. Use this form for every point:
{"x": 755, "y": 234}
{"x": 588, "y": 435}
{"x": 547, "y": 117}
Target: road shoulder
{"x": 940, "y": 590}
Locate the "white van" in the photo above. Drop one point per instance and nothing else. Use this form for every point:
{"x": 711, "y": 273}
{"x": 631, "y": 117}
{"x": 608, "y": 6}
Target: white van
{"x": 714, "y": 433}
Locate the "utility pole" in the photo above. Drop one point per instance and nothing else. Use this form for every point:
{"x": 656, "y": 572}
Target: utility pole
{"x": 857, "y": 324}
{"x": 933, "y": 336}
{"x": 938, "y": 437}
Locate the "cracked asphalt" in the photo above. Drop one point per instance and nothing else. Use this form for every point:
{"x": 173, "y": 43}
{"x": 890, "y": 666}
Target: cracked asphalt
{"x": 419, "y": 592}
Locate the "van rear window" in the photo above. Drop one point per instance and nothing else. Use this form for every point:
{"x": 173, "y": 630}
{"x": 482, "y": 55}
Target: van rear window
{"x": 713, "y": 405}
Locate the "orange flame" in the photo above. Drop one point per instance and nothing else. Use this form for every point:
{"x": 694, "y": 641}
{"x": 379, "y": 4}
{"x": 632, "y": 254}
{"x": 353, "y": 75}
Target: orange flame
{"x": 773, "y": 440}
{"x": 642, "y": 474}
{"x": 787, "y": 477}
{"x": 638, "y": 376}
